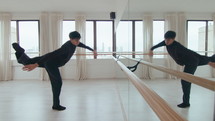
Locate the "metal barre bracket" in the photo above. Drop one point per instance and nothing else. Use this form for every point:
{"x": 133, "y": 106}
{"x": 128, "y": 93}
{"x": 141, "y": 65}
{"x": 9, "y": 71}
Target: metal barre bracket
{"x": 134, "y": 67}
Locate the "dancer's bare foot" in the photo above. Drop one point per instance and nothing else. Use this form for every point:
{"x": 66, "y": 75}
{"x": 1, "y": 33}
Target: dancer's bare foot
{"x": 212, "y": 64}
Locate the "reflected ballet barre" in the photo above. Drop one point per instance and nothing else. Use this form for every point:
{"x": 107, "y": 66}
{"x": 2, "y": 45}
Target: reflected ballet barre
{"x": 206, "y": 83}
{"x": 119, "y": 53}
{"x": 158, "y": 105}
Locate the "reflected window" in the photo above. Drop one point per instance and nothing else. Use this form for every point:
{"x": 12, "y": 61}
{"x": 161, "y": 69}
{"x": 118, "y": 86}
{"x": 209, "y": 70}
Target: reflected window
{"x": 104, "y": 37}
{"x": 200, "y": 37}
{"x": 89, "y": 37}
{"x": 210, "y": 38}
{"x": 139, "y": 36}
{"x": 124, "y": 37}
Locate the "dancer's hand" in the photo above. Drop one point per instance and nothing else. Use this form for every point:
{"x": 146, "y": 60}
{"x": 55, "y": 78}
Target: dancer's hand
{"x": 151, "y": 53}
{"x": 30, "y": 67}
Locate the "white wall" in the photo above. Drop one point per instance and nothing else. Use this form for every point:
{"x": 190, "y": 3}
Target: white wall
{"x": 99, "y": 69}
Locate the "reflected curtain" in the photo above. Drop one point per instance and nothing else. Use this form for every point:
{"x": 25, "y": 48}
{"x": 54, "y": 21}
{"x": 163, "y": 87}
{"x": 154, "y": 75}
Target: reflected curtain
{"x": 80, "y": 25}
{"x": 171, "y": 24}
{"x": 147, "y": 43}
{"x": 5, "y": 47}
{"x": 181, "y": 35}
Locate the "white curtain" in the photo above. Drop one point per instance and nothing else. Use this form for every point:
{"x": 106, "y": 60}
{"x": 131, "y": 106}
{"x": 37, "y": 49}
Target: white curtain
{"x": 56, "y": 22}
{"x": 213, "y": 17}
{"x": 147, "y": 43}
{"x": 50, "y": 33}
{"x": 5, "y": 47}
{"x": 181, "y": 34}
{"x": 80, "y": 25}
{"x": 177, "y": 23}
{"x": 171, "y": 24}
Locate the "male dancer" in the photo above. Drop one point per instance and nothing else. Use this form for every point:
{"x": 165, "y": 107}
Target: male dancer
{"x": 184, "y": 57}
{"x": 51, "y": 62}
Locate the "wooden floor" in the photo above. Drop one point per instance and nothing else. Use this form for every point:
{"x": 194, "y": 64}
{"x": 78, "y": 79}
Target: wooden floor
{"x": 97, "y": 100}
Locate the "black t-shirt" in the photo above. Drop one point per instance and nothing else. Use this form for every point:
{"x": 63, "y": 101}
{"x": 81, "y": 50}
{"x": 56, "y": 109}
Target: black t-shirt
{"x": 63, "y": 54}
{"x": 179, "y": 53}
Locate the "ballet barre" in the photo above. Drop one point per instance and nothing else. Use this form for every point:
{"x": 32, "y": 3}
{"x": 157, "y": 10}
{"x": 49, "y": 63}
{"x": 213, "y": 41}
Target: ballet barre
{"x": 118, "y": 53}
{"x": 158, "y": 105}
{"x": 206, "y": 83}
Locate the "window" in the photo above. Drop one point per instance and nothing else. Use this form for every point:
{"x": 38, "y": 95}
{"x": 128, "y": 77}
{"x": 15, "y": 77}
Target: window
{"x": 139, "y": 36}
{"x": 26, "y": 33}
{"x": 99, "y": 35}
{"x": 158, "y": 36}
{"x": 200, "y": 36}
{"x": 68, "y": 26}
{"x": 210, "y": 38}
{"x": 124, "y": 37}
{"x": 104, "y": 37}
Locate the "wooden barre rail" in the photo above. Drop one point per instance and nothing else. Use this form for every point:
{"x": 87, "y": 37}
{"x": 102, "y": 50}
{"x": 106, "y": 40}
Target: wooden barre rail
{"x": 158, "y": 105}
{"x": 206, "y": 83}
{"x": 121, "y": 53}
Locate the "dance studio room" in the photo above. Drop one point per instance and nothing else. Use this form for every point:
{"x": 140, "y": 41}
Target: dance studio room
{"x": 107, "y": 60}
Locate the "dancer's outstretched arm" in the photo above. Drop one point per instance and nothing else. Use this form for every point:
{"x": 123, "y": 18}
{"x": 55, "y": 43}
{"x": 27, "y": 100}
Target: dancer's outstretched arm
{"x": 87, "y": 47}
{"x": 156, "y": 46}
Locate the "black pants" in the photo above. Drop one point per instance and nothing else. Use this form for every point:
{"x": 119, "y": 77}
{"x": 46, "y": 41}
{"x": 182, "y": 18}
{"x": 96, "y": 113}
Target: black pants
{"x": 52, "y": 70}
{"x": 190, "y": 68}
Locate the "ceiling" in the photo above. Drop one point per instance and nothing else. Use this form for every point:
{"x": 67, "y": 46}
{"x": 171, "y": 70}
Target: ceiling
{"x": 189, "y": 6}
{"x": 104, "y": 6}
{"x": 57, "y": 5}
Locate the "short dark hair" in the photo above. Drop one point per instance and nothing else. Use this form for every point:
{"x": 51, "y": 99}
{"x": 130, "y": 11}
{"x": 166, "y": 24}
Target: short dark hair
{"x": 74, "y": 35}
{"x": 170, "y": 35}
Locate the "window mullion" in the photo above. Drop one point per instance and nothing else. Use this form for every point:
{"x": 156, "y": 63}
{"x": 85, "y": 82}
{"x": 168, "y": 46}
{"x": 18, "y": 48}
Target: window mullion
{"x": 17, "y": 31}
{"x": 133, "y": 39}
{"x": 206, "y": 38}
{"x": 95, "y": 37}
{"x": 114, "y": 38}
